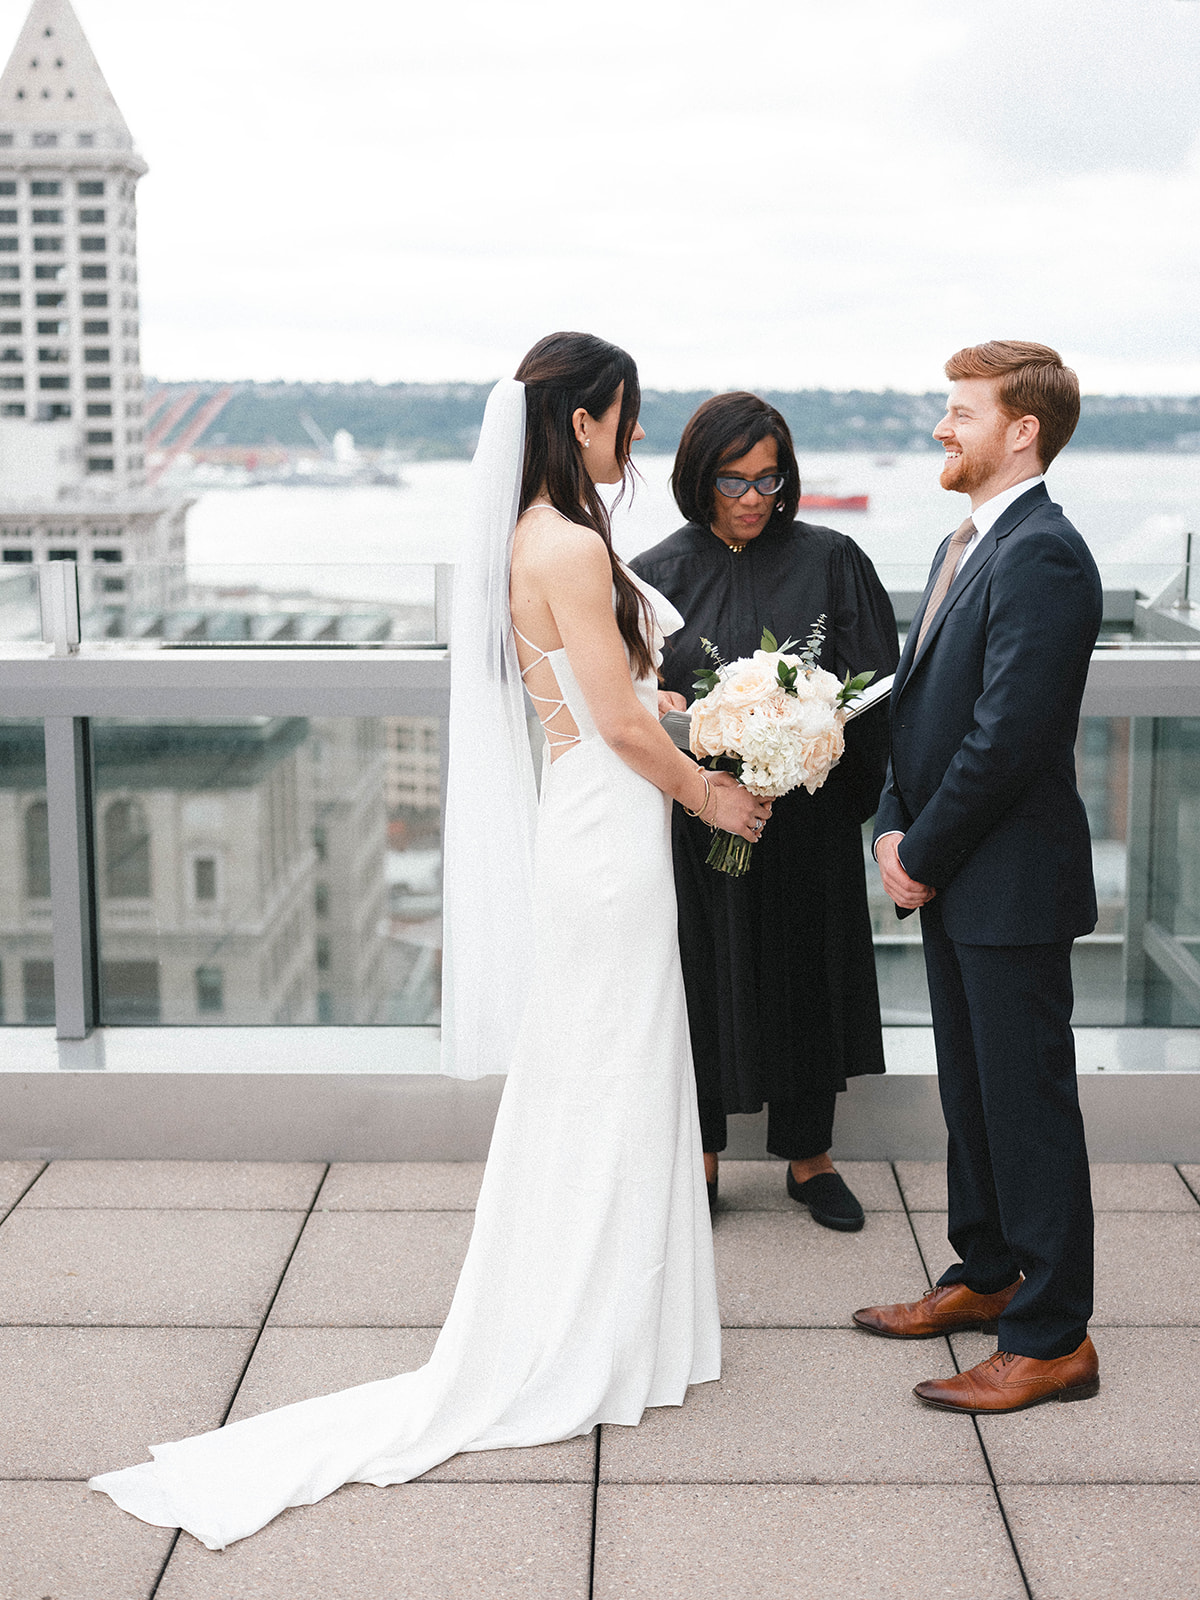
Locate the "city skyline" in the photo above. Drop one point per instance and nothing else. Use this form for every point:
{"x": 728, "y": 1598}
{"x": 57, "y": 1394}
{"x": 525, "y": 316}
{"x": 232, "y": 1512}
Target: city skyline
{"x": 805, "y": 199}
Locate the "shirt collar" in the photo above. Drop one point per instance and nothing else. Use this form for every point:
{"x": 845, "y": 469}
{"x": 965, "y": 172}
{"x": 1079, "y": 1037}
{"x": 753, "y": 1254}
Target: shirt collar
{"x": 986, "y": 516}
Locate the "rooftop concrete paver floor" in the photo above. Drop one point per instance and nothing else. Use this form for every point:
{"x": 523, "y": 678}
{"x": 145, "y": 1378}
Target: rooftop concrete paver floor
{"x": 178, "y": 1185}
{"x": 401, "y": 1186}
{"x": 77, "y": 1401}
{"x": 1116, "y": 1186}
{"x": 143, "y": 1268}
{"x": 374, "y": 1269}
{"x": 923, "y": 1184}
{"x": 60, "y": 1541}
{"x": 414, "y": 1541}
{"x": 1146, "y": 1265}
{"x": 293, "y": 1363}
{"x": 1143, "y": 1426}
{"x": 129, "y": 1324}
{"x": 1108, "y": 1542}
{"x": 799, "y": 1405}
{"x": 802, "y": 1542}
{"x": 762, "y": 1186}
{"x": 1124, "y": 1186}
{"x": 15, "y": 1178}
{"x": 788, "y": 1271}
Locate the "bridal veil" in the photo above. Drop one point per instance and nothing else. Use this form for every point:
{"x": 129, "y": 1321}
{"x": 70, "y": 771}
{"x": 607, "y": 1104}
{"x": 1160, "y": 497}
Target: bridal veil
{"x": 491, "y": 798}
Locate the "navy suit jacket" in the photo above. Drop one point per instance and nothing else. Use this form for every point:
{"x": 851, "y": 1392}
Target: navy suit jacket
{"x": 984, "y": 718}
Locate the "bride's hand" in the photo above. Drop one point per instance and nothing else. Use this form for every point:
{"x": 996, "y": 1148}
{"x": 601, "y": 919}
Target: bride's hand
{"x": 736, "y": 810}
{"x": 668, "y": 700}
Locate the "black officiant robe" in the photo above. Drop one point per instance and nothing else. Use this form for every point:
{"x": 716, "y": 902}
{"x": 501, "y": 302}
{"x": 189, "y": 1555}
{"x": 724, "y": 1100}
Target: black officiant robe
{"x": 779, "y": 966}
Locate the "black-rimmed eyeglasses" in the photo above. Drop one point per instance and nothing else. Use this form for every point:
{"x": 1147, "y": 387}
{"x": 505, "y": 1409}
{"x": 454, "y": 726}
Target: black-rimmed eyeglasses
{"x": 735, "y": 488}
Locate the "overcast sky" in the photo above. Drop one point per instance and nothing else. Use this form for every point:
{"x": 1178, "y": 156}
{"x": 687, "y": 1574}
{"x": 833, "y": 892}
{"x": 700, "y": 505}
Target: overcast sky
{"x": 791, "y": 193}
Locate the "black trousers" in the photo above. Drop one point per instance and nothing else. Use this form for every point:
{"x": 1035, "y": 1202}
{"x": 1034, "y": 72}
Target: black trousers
{"x": 796, "y": 1128}
{"x": 1020, "y": 1191}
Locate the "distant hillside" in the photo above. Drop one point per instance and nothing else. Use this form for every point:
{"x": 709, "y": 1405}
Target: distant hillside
{"x": 426, "y": 421}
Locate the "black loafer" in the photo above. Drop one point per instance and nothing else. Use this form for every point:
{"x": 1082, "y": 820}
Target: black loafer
{"x": 712, "y": 1193}
{"x": 829, "y": 1201}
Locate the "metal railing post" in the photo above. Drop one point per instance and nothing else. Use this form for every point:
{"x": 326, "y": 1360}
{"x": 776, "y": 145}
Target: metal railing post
{"x": 58, "y": 597}
{"x": 72, "y": 875}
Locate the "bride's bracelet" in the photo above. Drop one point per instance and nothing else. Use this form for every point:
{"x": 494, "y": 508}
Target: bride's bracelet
{"x": 708, "y": 796}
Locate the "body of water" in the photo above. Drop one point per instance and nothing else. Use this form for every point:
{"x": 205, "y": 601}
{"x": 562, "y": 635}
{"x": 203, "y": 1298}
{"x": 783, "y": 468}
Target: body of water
{"x": 1134, "y": 510}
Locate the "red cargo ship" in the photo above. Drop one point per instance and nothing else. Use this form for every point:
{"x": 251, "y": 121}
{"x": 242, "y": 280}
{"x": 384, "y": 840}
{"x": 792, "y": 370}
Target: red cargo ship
{"x": 834, "y": 502}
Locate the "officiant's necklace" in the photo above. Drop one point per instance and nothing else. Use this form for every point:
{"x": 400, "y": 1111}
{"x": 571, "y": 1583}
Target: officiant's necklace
{"x": 734, "y": 546}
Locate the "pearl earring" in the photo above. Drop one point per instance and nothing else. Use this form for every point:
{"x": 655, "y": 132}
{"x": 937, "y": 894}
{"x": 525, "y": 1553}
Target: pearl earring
{"x": 587, "y": 444}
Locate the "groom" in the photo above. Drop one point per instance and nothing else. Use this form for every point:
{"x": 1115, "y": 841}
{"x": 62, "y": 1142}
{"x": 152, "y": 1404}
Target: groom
{"x": 982, "y": 827}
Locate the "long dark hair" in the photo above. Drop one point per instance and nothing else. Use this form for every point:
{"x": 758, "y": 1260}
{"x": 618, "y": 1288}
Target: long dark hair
{"x": 724, "y": 429}
{"x": 562, "y": 372}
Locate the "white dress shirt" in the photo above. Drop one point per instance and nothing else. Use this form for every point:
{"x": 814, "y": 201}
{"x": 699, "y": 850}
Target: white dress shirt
{"x": 985, "y": 518}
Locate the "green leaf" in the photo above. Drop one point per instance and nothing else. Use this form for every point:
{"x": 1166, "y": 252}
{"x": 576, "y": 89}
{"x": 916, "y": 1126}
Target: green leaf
{"x": 853, "y": 687}
{"x": 769, "y": 641}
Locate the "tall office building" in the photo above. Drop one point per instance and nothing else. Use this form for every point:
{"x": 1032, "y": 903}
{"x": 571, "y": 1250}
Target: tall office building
{"x": 72, "y": 471}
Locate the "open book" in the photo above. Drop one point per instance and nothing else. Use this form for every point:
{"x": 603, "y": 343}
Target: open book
{"x": 871, "y": 696}
{"x": 678, "y": 723}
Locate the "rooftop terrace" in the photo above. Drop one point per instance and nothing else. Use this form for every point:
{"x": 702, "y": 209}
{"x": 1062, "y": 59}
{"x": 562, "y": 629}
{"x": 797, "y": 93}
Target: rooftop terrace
{"x": 143, "y": 1300}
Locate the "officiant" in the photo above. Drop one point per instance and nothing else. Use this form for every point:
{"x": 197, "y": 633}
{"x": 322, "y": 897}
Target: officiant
{"x": 778, "y": 965}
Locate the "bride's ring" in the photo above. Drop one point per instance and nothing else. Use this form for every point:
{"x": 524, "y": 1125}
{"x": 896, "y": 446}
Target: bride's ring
{"x": 758, "y": 822}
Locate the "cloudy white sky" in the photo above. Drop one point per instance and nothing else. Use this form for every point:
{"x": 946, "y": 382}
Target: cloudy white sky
{"x": 789, "y": 193}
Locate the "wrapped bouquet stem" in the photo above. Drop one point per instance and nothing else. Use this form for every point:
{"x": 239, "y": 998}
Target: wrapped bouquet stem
{"x": 779, "y": 719}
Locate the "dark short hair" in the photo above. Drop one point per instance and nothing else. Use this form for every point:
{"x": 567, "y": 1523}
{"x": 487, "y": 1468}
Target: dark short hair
{"x": 722, "y": 430}
{"x": 1032, "y": 382}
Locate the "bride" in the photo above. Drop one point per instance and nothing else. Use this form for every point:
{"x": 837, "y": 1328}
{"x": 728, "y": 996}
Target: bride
{"x": 587, "y": 1293}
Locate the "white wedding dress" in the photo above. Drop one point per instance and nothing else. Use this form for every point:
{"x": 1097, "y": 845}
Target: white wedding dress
{"x": 588, "y": 1290}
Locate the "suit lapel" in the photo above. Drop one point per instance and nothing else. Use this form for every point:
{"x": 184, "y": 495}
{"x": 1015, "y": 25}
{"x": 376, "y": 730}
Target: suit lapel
{"x": 1011, "y": 517}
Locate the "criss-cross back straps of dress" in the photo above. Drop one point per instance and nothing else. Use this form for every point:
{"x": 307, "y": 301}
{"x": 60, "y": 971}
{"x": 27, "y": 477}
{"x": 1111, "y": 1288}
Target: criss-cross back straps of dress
{"x": 556, "y": 738}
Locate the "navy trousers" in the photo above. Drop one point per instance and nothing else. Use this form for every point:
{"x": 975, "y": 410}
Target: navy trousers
{"x": 1017, "y": 1169}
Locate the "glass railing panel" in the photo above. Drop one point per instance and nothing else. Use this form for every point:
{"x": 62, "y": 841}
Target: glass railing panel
{"x": 1103, "y": 773}
{"x": 1098, "y": 960}
{"x": 26, "y": 950}
{"x": 340, "y": 603}
{"x": 1170, "y": 993}
{"x": 269, "y": 870}
{"x": 267, "y": 604}
{"x": 272, "y": 604}
{"x": 20, "y": 617}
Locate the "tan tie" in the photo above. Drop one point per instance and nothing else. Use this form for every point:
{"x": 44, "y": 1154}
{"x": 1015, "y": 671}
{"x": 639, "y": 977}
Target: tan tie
{"x": 959, "y": 540}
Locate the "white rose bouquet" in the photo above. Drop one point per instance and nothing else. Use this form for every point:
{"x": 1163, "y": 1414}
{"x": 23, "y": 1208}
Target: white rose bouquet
{"x": 778, "y": 717}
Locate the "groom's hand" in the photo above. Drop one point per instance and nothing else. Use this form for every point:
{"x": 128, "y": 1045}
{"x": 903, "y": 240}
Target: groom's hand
{"x": 905, "y": 891}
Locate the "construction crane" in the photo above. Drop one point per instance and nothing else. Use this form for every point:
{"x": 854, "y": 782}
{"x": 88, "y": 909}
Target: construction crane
{"x": 156, "y": 402}
{"x": 178, "y": 408}
{"x": 314, "y": 432}
{"x": 195, "y": 430}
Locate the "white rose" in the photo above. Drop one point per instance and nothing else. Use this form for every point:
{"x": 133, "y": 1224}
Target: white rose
{"x": 749, "y": 682}
{"x": 825, "y": 684}
{"x": 704, "y": 736}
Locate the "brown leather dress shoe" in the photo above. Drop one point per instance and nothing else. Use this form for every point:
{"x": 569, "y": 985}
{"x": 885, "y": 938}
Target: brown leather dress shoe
{"x": 1005, "y": 1382}
{"x": 951, "y": 1308}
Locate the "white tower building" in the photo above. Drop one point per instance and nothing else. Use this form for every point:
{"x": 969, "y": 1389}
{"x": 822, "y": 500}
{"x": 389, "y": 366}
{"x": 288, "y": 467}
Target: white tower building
{"x": 72, "y": 471}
